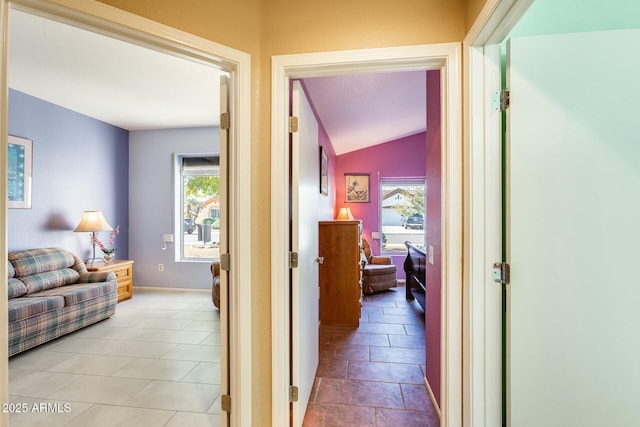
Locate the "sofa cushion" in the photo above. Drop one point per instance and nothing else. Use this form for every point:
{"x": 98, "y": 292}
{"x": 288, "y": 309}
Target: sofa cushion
{"x": 23, "y": 308}
{"x": 34, "y": 261}
{"x": 16, "y": 288}
{"x": 75, "y": 294}
{"x": 50, "y": 279}
{"x": 11, "y": 272}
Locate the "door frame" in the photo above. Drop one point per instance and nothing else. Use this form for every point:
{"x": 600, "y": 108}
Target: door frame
{"x": 116, "y": 23}
{"x": 448, "y": 58}
{"x": 482, "y": 329}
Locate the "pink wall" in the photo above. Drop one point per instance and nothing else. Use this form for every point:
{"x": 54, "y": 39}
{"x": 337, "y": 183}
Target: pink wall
{"x": 434, "y": 227}
{"x": 402, "y": 158}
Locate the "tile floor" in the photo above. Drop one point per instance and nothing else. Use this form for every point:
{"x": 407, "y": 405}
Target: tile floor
{"x": 373, "y": 375}
{"x": 155, "y": 363}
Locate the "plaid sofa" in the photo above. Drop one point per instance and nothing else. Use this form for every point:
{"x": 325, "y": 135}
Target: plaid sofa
{"x": 51, "y": 294}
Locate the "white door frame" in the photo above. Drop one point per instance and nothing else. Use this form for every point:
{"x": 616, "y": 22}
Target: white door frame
{"x": 447, "y": 58}
{"x": 483, "y": 211}
{"x": 104, "y": 19}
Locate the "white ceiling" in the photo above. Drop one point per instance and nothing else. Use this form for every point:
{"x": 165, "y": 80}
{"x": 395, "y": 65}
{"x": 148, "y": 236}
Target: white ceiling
{"x": 113, "y": 81}
{"x": 362, "y": 110}
{"x": 136, "y": 88}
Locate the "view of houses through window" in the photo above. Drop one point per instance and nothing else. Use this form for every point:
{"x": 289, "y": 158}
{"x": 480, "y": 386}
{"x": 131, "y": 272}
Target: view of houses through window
{"x": 403, "y": 213}
{"x": 200, "y": 207}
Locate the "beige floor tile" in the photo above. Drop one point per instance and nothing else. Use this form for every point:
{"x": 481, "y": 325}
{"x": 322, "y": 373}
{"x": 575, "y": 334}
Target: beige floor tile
{"x": 139, "y": 348}
{"x": 205, "y": 373}
{"x": 45, "y": 413}
{"x": 156, "y": 369}
{"x": 95, "y": 389}
{"x": 199, "y": 353}
{"x": 91, "y": 364}
{"x": 175, "y": 336}
{"x": 175, "y": 396}
{"x": 191, "y": 419}
{"x": 109, "y": 416}
{"x": 37, "y": 383}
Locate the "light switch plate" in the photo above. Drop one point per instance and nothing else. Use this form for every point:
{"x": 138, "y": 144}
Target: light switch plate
{"x": 375, "y": 235}
{"x": 430, "y": 254}
{"x": 167, "y": 238}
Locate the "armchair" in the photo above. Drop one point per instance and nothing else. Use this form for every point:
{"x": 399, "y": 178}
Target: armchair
{"x": 215, "y": 289}
{"x": 378, "y": 272}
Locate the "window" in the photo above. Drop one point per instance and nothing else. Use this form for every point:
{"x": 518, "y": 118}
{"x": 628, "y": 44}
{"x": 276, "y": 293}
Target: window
{"x": 198, "y": 205}
{"x": 402, "y": 213}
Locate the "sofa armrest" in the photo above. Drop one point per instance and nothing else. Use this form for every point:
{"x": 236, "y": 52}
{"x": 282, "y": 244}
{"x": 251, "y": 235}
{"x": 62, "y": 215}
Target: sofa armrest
{"x": 97, "y": 277}
{"x": 380, "y": 260}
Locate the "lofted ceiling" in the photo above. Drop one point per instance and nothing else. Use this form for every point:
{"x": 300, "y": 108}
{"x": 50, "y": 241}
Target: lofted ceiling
{"x": 136, "y": 88}
{"x": 358, "y": 111}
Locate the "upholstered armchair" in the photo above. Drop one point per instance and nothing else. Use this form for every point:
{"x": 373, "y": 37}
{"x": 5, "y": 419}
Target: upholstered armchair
{"x": 378, "y": 272}
{"x": 215, "y": 289}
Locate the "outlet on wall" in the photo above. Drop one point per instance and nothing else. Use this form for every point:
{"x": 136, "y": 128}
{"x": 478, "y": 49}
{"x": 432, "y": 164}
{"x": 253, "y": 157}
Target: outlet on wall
{"x": 160, "y": 267}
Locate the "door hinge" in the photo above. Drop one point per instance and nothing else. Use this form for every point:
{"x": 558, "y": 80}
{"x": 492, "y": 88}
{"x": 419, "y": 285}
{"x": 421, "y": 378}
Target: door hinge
{"x": 225, "y": 403}
{"x": 293, "y": 124}
{"x": 293, "y": 259}
{"x": 505, "y": 98}
{"x": 502, "y": 273}
{"x": 293, "y": 393}
{"x": 225, "y": 121}
{"x": 225, "y": 262}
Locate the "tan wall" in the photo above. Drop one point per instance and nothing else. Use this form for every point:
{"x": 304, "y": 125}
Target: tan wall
{"x": 472, "y": 10}
{"x": 264, "y": 28}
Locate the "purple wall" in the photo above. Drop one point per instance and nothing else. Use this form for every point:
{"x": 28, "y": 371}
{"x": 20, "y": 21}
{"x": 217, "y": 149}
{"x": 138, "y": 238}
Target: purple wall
{"x": 79, "y": 164}
{"x": 402, "y": 158}
{"x": 434, "y": 233}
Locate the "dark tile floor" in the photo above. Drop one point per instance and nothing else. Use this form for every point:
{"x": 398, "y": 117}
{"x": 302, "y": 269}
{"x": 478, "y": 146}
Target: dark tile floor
{"x": 373, "y": 375}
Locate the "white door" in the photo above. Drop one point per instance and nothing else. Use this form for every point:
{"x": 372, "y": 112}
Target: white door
{"x": 225, "y": 348}
{"x": 304, "y": 241}
{"x": 573, "y": 230}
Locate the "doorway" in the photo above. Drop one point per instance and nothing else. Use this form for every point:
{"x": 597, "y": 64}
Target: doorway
{"x": 445, "y": 57}
{"x": 118, "y": 24}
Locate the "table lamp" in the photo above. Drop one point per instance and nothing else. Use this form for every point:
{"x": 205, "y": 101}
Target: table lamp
{"x": 93, "y": 221}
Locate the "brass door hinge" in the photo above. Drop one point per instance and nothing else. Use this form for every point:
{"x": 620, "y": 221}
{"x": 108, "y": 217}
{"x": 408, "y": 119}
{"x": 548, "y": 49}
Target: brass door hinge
{"x": 225, "y": 403}
{"x": 502, "y": 273}
{"x": 225, "y": 121}
{"x": 293, "y": 393}
{"x": 293, "y": 124}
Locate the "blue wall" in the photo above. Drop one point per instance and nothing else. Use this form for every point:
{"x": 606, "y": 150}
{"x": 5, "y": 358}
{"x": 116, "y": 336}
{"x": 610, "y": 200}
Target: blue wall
{"x": 152, "y": 205}
{"x": 79, "y": 164}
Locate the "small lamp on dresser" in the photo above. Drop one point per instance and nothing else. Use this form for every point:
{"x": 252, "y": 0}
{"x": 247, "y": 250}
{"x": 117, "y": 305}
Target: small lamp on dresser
{"x": 345, "y": 213}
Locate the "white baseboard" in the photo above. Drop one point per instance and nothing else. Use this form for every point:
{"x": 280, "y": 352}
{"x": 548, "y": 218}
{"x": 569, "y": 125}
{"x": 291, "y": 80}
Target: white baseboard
{"x": 433, "y": 400}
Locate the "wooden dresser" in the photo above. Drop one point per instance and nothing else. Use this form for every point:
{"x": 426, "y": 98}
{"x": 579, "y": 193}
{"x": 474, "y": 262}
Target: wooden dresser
{"x": 340, "y": 277}
{"x": 124, "y": 275}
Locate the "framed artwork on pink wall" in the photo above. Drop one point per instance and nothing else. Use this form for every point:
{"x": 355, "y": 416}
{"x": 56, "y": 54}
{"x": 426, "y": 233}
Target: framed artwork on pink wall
{"x": 356, "y": 187}
{"x": 324, "y": 172}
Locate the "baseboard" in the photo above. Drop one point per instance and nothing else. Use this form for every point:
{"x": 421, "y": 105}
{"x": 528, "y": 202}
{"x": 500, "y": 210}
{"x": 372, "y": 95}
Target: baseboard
{"x": 159, "y": 288}
{"x": 433, "y": 399}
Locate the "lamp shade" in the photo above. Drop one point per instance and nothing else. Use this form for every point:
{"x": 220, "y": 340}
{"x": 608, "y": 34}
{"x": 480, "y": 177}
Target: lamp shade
{"x": 345, "y": 213}
{"x": 93, "y": 221}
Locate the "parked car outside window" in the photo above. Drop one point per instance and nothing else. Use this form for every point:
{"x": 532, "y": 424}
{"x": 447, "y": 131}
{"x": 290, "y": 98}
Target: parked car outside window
{"x": 415, "y": 221}
{"x": 189, "y": 225}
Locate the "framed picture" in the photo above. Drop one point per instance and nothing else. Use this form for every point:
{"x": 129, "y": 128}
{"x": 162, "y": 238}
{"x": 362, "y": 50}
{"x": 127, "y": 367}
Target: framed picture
{"x": 356, "y": 187}
{"x": 19, "y": 174}
{"x": 324, "y": 172}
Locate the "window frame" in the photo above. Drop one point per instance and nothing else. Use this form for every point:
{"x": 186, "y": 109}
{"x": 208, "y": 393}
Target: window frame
{"x": 385, "y": 182}
{"x": 179, "y": 201}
